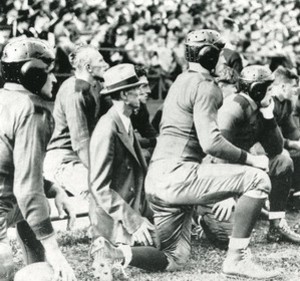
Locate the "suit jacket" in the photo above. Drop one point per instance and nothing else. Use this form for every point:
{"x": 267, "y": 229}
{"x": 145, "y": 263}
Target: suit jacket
{"x": 116, "y": 176}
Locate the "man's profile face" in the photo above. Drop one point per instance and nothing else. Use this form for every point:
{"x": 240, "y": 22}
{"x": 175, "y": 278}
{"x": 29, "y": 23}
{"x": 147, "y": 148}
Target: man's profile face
{"x": 98, "y": 66}
{"x": 46, "y": 91}
{"x": 292, "y": 89}
{"x": 287, "y": 89}
{"x": 145, "y": 90}
{"x": 267, "y": 98}
{"x": 133, "y": 97}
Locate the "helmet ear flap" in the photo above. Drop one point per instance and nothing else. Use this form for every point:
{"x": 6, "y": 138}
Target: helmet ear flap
{"x": 208, "y": 56}
{"x": 258, "y": 90}
{"x": 34, "y": 75}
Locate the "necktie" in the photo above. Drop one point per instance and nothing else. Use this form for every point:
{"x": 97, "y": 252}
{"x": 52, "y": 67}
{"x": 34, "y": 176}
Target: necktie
{"x": 130, "y": 134}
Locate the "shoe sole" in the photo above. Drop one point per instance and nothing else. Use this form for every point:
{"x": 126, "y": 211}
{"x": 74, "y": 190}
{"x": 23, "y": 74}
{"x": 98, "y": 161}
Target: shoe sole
{"x": 244, "y": 277}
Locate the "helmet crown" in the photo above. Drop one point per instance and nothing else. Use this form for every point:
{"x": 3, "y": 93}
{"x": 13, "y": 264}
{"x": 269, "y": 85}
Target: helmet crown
{"x": 25, "y": 49}
{"x": 204, "y": 37}
{"x": 257, "y": 73}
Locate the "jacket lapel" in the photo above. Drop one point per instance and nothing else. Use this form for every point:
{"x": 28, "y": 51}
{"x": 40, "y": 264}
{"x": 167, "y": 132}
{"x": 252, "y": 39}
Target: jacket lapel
{"x": 138, "y": 151}
{"x": 123, "y": 135}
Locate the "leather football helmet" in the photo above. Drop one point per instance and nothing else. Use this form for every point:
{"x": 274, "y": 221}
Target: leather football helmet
{"x": 204, "y": 46}
{"x": 254, "y": 80}
{"x": 27, "y": 61}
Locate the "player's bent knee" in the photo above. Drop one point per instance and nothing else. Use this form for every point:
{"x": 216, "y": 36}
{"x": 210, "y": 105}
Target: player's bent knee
{"x": 178, "y": 259}
{"x": 281, "y": 164}
{"x": 260, "y": 185}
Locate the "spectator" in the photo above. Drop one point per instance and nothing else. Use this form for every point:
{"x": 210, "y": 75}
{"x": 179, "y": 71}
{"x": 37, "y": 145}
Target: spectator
{"x": 117, "y": 170}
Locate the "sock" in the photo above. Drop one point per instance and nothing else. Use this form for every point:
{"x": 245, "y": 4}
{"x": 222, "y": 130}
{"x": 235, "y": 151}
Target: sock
{"x": 246, "y": 213}
{"x": 281, "y": 186}
{"x": 238, "y": 243}
{"x": 127, "y": 253}
{"x": 148, "y": 258}
{"x": 276, "y": 215}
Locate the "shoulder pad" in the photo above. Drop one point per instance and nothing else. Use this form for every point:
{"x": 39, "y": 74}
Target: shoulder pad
{"x": 39, "y": 105}
{"x": 208, "y": 77}
{"x": 81, "y": 86}
{"x": 242, "y": 101}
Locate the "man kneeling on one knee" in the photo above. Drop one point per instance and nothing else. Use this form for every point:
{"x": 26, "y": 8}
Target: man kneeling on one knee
{"x": 118, "y": 208}
{"x": 247, "y": 120}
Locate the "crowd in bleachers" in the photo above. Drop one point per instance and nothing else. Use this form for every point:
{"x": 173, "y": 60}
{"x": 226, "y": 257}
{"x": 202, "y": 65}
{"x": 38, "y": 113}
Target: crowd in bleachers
{"x": 227, "y": 136}
{"x": 151, "y": 33}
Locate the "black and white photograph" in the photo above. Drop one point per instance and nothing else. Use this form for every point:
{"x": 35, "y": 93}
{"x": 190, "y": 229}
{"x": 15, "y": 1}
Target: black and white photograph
{"x": 149, "y": 140}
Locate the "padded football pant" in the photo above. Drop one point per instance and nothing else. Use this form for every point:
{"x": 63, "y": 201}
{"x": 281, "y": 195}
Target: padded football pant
{"x": 72, "y": 176}
{"x": 174, "y": 188}
{"x": 281, "y": 168}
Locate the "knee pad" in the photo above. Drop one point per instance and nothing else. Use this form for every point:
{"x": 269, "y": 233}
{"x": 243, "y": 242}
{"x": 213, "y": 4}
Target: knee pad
{"x": 6, "y": 263}
{"x": 260, "y": 183}
{"x": 34, "y": 75}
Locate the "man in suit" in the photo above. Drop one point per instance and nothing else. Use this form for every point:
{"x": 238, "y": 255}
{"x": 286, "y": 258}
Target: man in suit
{"x": 118, "y": 208}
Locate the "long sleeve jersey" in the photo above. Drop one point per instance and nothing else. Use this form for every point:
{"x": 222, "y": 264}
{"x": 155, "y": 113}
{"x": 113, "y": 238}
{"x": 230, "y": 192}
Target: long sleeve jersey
{"x": 189, "y": 128}
{"x": 241, "y": 123}
{"x": 25, "y": 129}
{"x": 76, "y": 113}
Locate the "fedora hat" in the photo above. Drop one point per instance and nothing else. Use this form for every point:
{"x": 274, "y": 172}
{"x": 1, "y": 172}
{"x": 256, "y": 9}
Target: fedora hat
{"x": 120, "y": 77}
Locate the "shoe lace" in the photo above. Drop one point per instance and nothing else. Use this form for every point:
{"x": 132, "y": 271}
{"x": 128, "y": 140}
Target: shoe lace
{"x": 98, "y": 251}
{"x": 286, "y": 228}
{"x": 246, "y": 254}
{"x": 119, "y": 264}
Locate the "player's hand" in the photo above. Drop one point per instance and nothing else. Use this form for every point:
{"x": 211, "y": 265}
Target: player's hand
{"x": 63, "y": 206}
{"x": 223, "y": 209}
{"x": 267, "y": 107}
{"x": 258, "y": 161}
{"x": 143, "y": 236}
{"x": 62, "y": 271}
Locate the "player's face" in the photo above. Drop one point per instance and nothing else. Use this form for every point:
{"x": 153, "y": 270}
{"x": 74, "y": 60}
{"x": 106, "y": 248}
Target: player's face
{"x": 46, "y": 91}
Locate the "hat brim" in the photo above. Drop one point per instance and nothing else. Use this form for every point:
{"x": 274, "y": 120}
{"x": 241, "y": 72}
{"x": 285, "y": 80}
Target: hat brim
{"x": 107, "y": 92}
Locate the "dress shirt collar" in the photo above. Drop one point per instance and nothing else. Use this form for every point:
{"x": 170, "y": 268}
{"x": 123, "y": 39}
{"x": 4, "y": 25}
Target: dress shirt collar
{"x": 125, "y": 119}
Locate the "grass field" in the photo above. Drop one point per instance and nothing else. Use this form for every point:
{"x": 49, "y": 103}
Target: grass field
{"x": 205, "y": 262}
